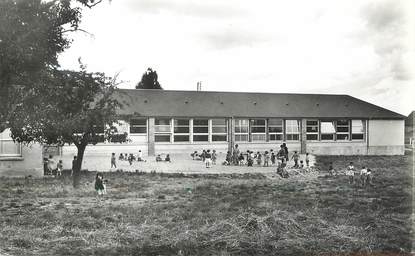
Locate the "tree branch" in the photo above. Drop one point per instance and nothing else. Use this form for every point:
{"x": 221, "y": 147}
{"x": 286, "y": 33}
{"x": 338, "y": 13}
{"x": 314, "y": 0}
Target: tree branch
{"x": 76, "y": 30}
{"x": 92, "y": 4}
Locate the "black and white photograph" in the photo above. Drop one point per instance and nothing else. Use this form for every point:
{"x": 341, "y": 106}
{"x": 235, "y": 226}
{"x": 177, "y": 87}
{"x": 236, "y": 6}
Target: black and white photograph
{"x": 219, "y": 127}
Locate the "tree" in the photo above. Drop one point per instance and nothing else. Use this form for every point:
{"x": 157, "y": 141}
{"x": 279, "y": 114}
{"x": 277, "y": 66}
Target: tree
{"x": 68, "y": 107}
{"x": 32, "y": 34}
{"x": 149, "y": 80}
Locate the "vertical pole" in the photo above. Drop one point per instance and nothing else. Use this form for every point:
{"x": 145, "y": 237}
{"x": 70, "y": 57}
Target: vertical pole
{"x": 231, "y": 134}
{"x": 150, "y": 137}
{"x": 303, "y": 136}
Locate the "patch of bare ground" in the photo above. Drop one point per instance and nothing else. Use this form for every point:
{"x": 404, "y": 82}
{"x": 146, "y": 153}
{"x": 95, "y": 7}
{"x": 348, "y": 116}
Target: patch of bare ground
{"x": 213, "y": 214}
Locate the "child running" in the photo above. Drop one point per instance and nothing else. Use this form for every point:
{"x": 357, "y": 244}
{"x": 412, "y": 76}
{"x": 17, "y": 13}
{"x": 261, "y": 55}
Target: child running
{"x": 113, "y": 161}
{"x": 331, "y": 169}
{"x": 208, "y": 159}
{"x": 59, "y": 168}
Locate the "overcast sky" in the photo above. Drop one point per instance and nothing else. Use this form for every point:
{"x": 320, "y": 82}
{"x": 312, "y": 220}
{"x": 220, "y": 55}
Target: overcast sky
{"x": 363, "y": 48}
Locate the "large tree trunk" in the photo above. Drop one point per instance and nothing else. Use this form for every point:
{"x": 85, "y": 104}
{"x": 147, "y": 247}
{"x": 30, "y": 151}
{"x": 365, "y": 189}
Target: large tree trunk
{"x": 78, "y": 165}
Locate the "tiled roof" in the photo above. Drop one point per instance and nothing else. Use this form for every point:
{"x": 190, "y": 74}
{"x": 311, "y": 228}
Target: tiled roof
{"x": 169, "y": 103}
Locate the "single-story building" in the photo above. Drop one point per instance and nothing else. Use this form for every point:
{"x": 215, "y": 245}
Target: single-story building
{"x": 167, "y": 121}
{"x": 409, "y": 130}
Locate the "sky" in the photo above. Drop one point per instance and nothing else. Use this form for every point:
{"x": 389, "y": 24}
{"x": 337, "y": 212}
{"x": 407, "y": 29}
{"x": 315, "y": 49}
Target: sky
{"x": 364, "y": 48}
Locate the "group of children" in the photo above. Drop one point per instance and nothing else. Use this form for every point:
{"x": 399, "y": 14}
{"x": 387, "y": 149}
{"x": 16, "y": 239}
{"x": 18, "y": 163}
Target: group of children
{"x": 365, "y": 174}
{"x": 52, "y": 168}
{"x": 166, "y": 159}
{"x": 127, "y": 157}
{"x": 207, "y": 156}
{"x": 266, "y": 158}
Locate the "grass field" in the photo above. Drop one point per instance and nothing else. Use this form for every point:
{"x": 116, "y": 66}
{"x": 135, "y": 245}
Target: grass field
{"x": 213, "y": 214}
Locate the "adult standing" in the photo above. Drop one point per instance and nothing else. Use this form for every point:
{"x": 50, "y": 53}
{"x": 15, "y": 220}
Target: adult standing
{"x": 236, "y": 155}
{"x": 286, "y": 152}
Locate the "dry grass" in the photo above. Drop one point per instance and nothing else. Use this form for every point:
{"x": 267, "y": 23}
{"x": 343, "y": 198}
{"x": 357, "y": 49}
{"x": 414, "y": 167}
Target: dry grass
{"x": 227, "y": 214}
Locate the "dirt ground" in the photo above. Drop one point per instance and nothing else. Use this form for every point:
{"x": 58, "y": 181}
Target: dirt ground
{"x": 309, "y": 213}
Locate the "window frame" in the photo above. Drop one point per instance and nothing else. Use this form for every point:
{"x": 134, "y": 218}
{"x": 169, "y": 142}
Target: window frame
{"x": 253, "y": 135}
{"x": 322, "y": 134}
{"x": 138, "y": 126}
{"x": 363, "y": 133}
{"x": 271, "y": 133}
{"x": 181, "y": 134}
{"x": 200, "y": 133}
{"x": 213, "y": 125}
{"x": 317, "y": 126}
{"x": 240, "y": 133}
{"x": 337, "y": 126}
{"x": 7, "y": 138}
{"x": 289, "y": 133}
{"x": 162, "y": 133}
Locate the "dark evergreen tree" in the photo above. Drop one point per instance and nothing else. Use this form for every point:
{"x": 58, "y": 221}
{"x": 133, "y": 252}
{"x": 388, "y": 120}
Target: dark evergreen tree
{"x": 149, "y": 80}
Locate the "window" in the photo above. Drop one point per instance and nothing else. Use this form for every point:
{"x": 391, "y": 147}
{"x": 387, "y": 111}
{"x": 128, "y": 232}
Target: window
{"x": 312, "y": 129}
{"x": 181, "y": 130}
{"x": 200, "y": 130}
{"x": 292, "y": 130}
{"x": 258, "y": 129}
{"x": 327, "y": 130}
{"x": 219, "y": 130}
{"x": 138, "y": 126}
{"x": 162, "y": 130}
{"x": 343, "y": 130}
{"x": 358, "y": 130}
{"x": 275, "y": 129}
{"x": 241, "y": 129}
{"x": 7, "y": 146}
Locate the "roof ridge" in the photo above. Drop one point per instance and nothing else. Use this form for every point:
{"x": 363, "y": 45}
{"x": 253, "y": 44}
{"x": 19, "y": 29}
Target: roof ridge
{"x": 242, "y": 92}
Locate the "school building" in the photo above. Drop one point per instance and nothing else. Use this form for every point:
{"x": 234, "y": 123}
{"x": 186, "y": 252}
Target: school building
{"x": 180, "y": 122}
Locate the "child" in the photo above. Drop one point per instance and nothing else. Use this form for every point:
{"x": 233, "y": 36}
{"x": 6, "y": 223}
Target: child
{"x": 228, "y": 158}
{"x": 140, "y": 156}
{"x": 121, "y": 157}
{"x": 331, "y": 169}
{"x": 203, "y": 155}
{"x": 51, "y": 165}
{"x": 167, "y": 158}
{"x": 131, "y": 158}
{"x": 241, "y": 159}
{"x": 208, "y": 159}
{"x": 99, "y": 184}
{"x": 266, "y": 159}
{"x": 350, "y": 173}
{"x": 214, "y": 156}
{"x": 113, "y": 161}
{"x": 363, "y": 174}
{"x": 59, "y": 168}
{"x": 258, "y": 158}
{"x": 193, "y": 155}
{"x": 158, "y": 158}
{"x": 369, "y": 177}
{"x": 307, "y": 160}
{"x": 301, "y": 164}
{"x": 272, "y": 158}
{"x": 295, "y": 157}
{"x": 75, "y": 159}
{"x": 250, "y": 158}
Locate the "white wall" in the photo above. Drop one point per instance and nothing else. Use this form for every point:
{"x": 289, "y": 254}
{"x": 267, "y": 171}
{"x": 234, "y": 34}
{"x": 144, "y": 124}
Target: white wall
{"x": 30, "y": 163}
{"x": 386, "y": 137}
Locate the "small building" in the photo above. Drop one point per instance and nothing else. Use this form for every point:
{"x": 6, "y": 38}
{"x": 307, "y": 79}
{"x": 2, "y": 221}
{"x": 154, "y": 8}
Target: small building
{"x": 409, "y": 130}
{"x": 166, "y": 121}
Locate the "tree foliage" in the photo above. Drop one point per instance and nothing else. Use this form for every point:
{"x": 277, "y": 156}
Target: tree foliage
{"x": 32, "y": 35}
{"x": 149, "y": 80}
{"x": 68, "y": 107}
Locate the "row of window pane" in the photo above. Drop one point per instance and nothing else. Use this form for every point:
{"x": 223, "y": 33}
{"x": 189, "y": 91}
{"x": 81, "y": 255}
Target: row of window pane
{"x": 339, "y": 130}
{"x": 181, "y": 130}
